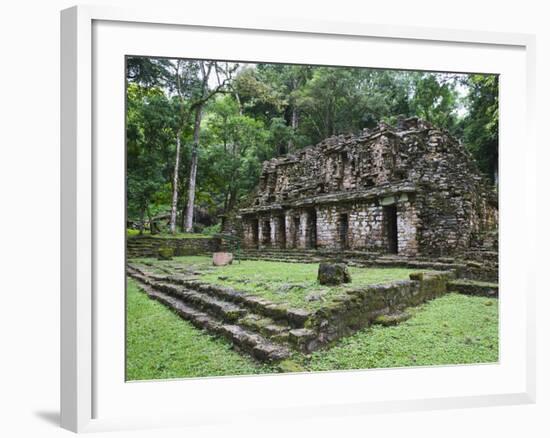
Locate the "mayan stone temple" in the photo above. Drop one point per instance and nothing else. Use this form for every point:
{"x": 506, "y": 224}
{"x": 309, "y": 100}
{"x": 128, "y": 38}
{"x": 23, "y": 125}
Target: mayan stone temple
{"x": 409, "y": 190}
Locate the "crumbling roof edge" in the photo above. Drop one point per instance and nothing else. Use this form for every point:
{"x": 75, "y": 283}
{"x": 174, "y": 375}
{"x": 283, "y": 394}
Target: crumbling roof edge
{"x": 336, "y": 197}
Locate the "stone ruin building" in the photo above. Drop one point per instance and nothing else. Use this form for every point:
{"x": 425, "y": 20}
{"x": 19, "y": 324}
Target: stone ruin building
{"x": 409, "y": 190}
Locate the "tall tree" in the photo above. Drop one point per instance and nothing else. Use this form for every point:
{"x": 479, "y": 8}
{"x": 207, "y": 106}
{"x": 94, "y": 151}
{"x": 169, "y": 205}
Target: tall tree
{"x": 192, "y": 84}
{"x": 286, "y": 81}
{"x": 150, "y": 123}
{"x": 481, "y": 123}
{"x": 236, "y": 144}
{"x": 435, "y": 98}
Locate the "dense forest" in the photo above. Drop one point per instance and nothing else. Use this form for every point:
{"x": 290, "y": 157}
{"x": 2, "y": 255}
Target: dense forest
{"x": 199, "y": 130}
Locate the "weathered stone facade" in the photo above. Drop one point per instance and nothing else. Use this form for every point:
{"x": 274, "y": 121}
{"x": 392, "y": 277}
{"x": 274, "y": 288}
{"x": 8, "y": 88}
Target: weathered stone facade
{"x": 409, "y": 190}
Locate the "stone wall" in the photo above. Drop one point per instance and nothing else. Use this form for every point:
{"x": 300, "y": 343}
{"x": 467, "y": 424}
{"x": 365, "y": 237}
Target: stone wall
{"x": 346, "y": 189}
{"x": 360, "y": 307}
{"x": 408, "y": 226}
{"x": 146, "y": 246}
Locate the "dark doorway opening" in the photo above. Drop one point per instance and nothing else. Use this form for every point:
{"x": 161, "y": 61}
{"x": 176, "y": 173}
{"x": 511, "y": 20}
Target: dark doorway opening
{"x": 255, "y": 225}
{"x": 295, "y": 231}
{"x": 282, "y": 232}
{"x": 343, "y": 230}
{"x": 311, "y": 235}
{"x": 390, "y": 217}
{"x": 266, "y": 233}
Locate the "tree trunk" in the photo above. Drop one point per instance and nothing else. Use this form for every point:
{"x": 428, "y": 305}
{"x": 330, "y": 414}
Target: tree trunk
{"x": 152, "y": 226}
{"x": 193, "y": 172}
{"x": 174, "y": 211}
{"x": 232, "y": 199}
{"x": 294, "y": 126}
{"x": 182, "y": 218}
{"x": 141, "y": 221}
{"x": 293, "y": 116}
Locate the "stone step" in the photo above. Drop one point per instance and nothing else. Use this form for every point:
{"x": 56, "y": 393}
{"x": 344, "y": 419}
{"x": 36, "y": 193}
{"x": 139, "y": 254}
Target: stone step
{"x": 472, "y": 287}
{"x": 360, "y": 262}
{"x": 252, "y": 343}
{"x": 286, "y": 252}
{"x": 484, "y": 255}
{"x": 282, "y": 254}
{"x": 227, "y": 311}
{"x": 223, "y": 309}
{"x": 359, "y": 255}
{"x": 295, "y": 318}
{"x": 281, "y": 257}
{"x": 486, "y": 270}
{"x": 265, "y": 326}
{"x": 282, "y": 260}
{"x": 220, "y": 303}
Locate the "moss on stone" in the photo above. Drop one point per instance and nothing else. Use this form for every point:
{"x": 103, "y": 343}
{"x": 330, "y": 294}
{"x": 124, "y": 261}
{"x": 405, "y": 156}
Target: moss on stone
{"x": 165, "y": 253}
{"x": 416, "y": 276}
{"x": 391, "y": 319}
{"x": 290, "y": 366}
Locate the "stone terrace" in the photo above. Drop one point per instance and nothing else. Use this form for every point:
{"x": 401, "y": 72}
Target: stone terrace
{"x": 270, "y": 331}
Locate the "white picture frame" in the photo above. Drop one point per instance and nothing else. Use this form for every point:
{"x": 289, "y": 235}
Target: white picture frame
{"x": 92, "y": 392}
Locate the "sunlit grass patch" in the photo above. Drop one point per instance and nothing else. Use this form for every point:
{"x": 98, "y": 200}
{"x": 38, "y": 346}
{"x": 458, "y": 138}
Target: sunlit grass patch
{"x": 453, "y": 329}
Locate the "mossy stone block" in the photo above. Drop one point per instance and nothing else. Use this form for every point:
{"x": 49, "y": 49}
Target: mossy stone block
{"x": 290, "y": 366}
{"x": 165, "y": 253}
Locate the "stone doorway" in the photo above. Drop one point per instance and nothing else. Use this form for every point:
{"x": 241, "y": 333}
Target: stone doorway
{"x": 266, "y": 233}
{"x": 281, "y": 232}
{"x": 255, "y": 224}
{"x": 390, "y": 219}
{"x": 311, "y": 230}
{"x": 295, "y": 231}
{"x": 343, "y": 228}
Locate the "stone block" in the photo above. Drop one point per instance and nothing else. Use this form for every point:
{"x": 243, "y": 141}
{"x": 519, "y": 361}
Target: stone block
{"x": 222, "y": 258}
{"x": 391, "y": 319}
{"x": 165, "y": 253}
{"x": 333, "y": 274}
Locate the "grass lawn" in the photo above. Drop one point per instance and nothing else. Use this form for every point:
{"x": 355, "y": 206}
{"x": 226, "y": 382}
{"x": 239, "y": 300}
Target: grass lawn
{"x": 161, "y": 345}
{"x": 453, "y": 329}
{"x": 285, "y": 283}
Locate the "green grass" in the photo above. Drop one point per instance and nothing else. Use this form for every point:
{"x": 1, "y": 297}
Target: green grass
{"x": 134, "y": 233}
{"x": 285, "y": 283}
{"x": 453, "y": 329}
{"x": 160, "y": 345}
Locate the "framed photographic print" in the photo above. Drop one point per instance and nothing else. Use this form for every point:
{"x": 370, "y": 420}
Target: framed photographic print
{"x": 281, "y": 218}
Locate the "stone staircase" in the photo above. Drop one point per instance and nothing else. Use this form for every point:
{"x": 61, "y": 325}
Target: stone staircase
{"x": 253, "y": 325}
{"x": 484, "y": 248}
{"x": 141, "y": 247}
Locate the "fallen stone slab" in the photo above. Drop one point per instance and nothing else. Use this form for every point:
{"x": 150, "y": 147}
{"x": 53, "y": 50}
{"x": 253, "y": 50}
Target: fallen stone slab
{"x": 390, "y": 319}
{"x": 472, "y": 287}
{"x": 222, "y": 258}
